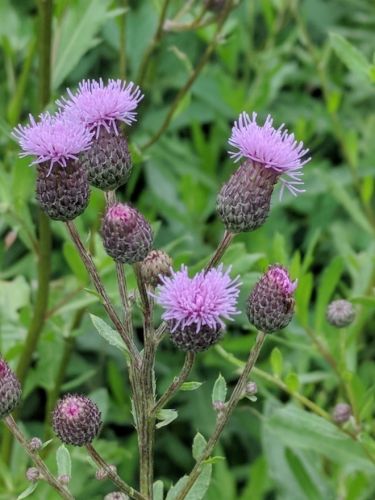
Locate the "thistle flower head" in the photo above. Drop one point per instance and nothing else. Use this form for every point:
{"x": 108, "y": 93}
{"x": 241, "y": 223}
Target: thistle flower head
{"x": 54, "y": 139}
{"x": 270, "y": 305}
{"x": 10, "y": 389}
{"x": 97, "y": 105}
{"x": 274, "y": 149}
{"x": 76, "y": 420}
{"x": 202, "y": 301}
{"x": 156, "y": 264}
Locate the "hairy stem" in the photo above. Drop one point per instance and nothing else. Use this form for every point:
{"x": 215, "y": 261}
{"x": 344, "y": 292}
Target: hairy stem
{"x": 176, "y": 384}
{"x": 224, "y": 416}
{"x": 144, "y": 393}
{"x": 41, "y": 466}
{"x": 204, "y": 59}
{"x": 115, "y": 478}
{"x": 98, "y": 284}
{"x": 121, "y": 279}
{"x": 219, "y": 252}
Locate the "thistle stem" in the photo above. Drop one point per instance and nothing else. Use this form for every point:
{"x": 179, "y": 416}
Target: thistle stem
{"x": 41, "y": 466}
{"x": 176, "y": 384}
{"x": 97, "y": 282}
{"x": 224, "y": 416}
{"x": 121, "y": 279}
{"x": 115, "y": 478}
{"x": 220, "y": 250}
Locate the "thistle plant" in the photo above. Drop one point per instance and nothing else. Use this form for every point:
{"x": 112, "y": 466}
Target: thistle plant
{"x": 196, "y": 308}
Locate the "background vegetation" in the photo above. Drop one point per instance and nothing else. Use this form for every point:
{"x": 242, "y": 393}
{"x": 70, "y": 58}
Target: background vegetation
{"x": 308, "y": 63}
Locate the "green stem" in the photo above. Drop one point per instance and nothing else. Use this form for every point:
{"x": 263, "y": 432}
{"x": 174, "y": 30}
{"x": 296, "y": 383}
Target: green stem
{"x": 98, "y": 284}
{"x": 41, "y": 466}
{"x": 198, "y": 69}
{"x": 115, "y": 478}
{"x": 219, "y": 252}
{"x": 154, "y": 44}
{"x": 224, "y": 416}
{"x": 176, "y": 384}
{"x": 122, "y": 59}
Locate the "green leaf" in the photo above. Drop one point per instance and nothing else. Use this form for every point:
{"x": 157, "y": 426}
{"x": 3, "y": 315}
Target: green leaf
{"x": 165, "y": 416}
{"x": 292, "y": 381}
{"x": 199, "y": 444}
{"x": 108, "y": 333}
{"x": 158, "y": 490}
{"x": 220, "y": 390}
{"x": 303, "y": 296}
{"x": 190, "y": 386}
{"x": 29, "y": 490}
{"x": 214, "y": 460}
{"x": 353, "y": 59}
{"x": 76, "y": 36}
{"x": 276, "y": 361}
{"x": 64, "y": 464}
{"x": 198, "y": 490}
{"x": 299, "y": 429}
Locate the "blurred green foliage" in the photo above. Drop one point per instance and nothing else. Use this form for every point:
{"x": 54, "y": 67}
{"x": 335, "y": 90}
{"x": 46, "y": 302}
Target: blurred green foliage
{"x": 309, "y": 63}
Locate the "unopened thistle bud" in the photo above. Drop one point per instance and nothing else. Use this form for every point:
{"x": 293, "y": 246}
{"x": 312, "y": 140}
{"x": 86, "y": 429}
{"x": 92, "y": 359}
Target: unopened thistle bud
{"x": 218, "y": 406}
{"x": 10, "y": 389}
{"x": 154, "y": 266}
{"x": 127, "y": 236}
{"x": 194, "y": 308}
{"x": 244, "y": 201}
{"x": 62, "y": 188}
{"x": 35, "y": 444}
{"x": 340, "y": 313}
{"x": 251, "y": 389}
{"x": 270, "y": 306}
{"x": 101, "y": 109}
{"x": 32, "y": 474}
{"x": 76, "y": 420}
{"x": 64, "y": 479}
{"x": 116, "y": 495}
{"x": 102, "y": 473}
{"x": 341, "y": 413}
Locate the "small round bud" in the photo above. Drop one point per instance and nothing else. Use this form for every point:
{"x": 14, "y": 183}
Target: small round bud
{"x": 64, "y": 479}
{"x": 10, "y": 389}
{"x": 251, "y": 389}
{"x": 102, "y": 474}
{"x": 32, "y": 474}
{"x": 270, "y": 305}
{"x": 35, "y": 444}
{"x": 341, "y": 413}
{"x": 243, "y": 203}
{"x": 340, "y": 313}
{"x": 116, "y": 495}
{"x": 108, "y": 161}
{"x": 62, "y": 192}
{"x": 214, "y": 5}
{"x": 218, "y": 406}
{"x": 76, "y": 420}
{"x": 156, "y": 264}
{"x": 127, "y": 236}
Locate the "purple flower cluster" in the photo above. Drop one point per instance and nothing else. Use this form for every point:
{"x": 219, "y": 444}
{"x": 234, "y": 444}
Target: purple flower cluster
{"x": 96, "y": 105}
{"x": 54, "y": 139}
{"x": 274, "y": 149}
{"x": 59, "y": 138}
{"x": 204, "y": 300}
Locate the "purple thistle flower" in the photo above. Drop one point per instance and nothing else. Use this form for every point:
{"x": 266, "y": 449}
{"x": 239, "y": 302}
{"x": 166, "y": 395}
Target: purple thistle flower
{"x": 53, "y": 139}
{"x": 274, "y": 149}
{"x": 97, "y": 105}
{"x": 202, "y": 301}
